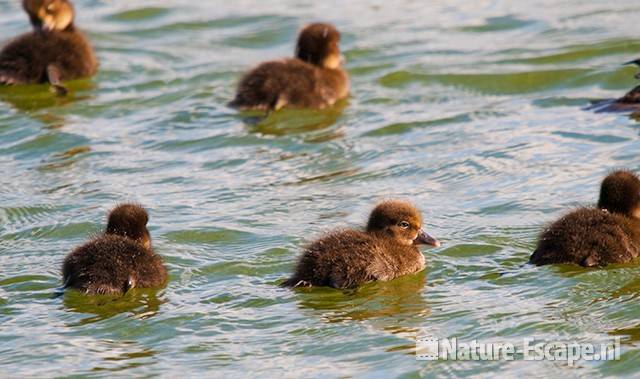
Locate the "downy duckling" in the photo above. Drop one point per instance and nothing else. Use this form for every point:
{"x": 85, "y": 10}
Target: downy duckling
{"x": 387, "y": 249}
{"x": 598, "y": 236}
{"x": 313, "y": 79}
{"x": 55, "y": 51}
{"x": 119, "y": 259}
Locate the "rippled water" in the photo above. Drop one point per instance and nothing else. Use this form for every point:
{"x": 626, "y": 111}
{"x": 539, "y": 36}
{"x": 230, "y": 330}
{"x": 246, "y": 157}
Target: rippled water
{"x": 471, "y": 109}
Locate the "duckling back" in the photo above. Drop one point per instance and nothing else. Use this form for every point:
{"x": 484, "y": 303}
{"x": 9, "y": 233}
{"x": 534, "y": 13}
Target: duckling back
{"x": 290, "y": 82}
{"x": 25, "y": 59}
{"x": 589, "y": 237}
{"x": 112, "y": 264}
{"x": 313, "y": 79}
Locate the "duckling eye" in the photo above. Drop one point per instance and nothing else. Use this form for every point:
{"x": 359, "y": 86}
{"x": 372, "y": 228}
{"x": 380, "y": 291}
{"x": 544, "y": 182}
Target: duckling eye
{"x": 404, "y": 225}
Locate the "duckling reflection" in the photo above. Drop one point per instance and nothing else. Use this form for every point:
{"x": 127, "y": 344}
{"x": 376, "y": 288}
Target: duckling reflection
{"x": 32, "y": 101}
{"x": 628, "y": 335}
{"x": 64, "y": 160}
{"x": 55, "y": 51}
{"x": 398, "y": 299}
{"x": 627, "y": 292}
{"x": 311, "y": 125}
{"x": 139, "y": 303}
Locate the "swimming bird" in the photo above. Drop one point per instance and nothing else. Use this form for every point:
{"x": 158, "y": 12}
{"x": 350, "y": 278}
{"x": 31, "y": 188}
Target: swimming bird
{"x": 313, "y": 79}
{"x": 608, "y": 233}
{"x": 386, "y": 249}
{"x": 631, "y": 98}
{"x": 55, "y": 51}
{"x": 117, "y": 260}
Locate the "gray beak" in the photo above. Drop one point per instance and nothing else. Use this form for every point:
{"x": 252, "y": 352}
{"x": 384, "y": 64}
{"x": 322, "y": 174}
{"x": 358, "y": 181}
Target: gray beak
{"x": 424, "y": 239}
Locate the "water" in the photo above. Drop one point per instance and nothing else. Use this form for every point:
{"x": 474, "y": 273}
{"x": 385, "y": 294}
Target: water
{"x": 473, "y": 110}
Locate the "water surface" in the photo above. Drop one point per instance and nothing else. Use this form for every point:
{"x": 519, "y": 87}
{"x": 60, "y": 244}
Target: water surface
{"x": 473, "y": 110}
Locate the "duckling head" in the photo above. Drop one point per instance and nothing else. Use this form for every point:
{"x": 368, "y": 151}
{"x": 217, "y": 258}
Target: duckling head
{"x": 400, "y": 220}
{"x": 620, "y": 193}
{"x": 130, "y": 221}
{"x": 49, "y": 15}
{"x": 318, "y": 45}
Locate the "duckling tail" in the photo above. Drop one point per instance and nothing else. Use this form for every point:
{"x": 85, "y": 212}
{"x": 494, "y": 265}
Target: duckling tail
{"x": 235, "y": 103}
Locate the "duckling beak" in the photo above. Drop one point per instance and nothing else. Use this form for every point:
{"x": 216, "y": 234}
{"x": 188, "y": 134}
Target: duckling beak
{"x": 424, "y": 239}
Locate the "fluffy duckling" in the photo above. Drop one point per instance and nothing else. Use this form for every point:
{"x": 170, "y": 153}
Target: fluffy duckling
{"x": 55, "y": 51}
{"x": 598, "y": 236}
{"x": 117, "y": 260}
{"x": 387, "y": 249}
{"x": 313, "y": 79}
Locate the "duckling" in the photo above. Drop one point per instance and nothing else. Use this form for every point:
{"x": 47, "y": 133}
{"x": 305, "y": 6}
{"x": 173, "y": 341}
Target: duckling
{"x": 386, "y": 249}
{"x": 313, "y": 79}
{"x": 598, "y": 236}
{"x": 55, "y": 51}
{"x": 632, "y": 97}
{"x": 119, "y": 259}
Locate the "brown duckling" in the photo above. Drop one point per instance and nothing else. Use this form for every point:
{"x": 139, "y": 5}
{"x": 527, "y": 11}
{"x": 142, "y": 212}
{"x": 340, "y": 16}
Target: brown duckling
{"x": 387, "y": 249}
{"x": 598, "y": 236}
{"x": 632, "y": 98}
{"x": 119, "y": 259}
{"x": 55, "y": 51}
{"x": 313, "y": 79}
{"x": 629, "y": 102}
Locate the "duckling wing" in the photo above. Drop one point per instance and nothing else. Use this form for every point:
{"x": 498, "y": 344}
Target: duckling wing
{"x": 148, "y": 271}
{"x": 276, "y": 84}
{"x": 19, "y": 61}
{"x": 101, "y": 266}
{"x": 340, "y": 259}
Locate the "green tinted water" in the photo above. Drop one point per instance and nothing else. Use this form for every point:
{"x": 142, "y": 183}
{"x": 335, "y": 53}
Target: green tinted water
{"x": 471, "y": 109}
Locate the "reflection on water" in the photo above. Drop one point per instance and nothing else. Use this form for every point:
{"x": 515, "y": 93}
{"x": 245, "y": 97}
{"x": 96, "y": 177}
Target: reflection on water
{"x": 399, "y": 299}
{"x": 31, "y": 98}
{"x": 314, "y": 125}
{"x": 139, "y": 303}
{"x": 65, "y": 158}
